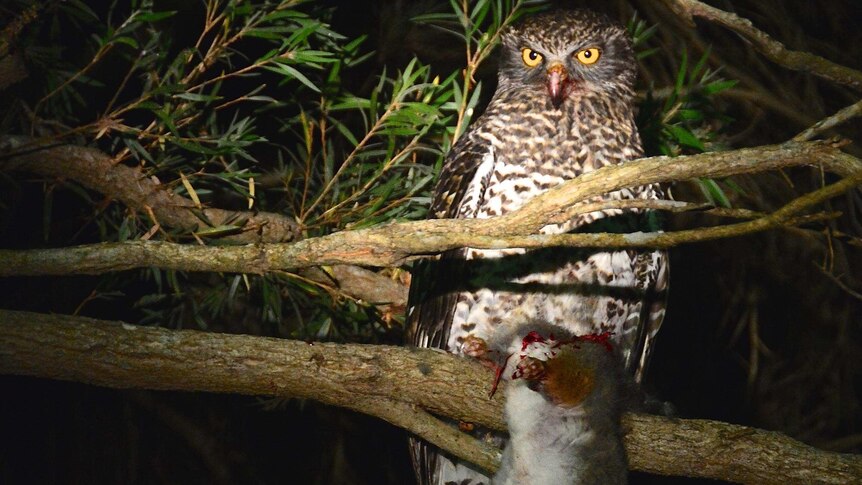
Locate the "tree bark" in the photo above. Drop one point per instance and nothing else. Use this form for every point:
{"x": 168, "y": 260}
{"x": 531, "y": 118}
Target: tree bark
{"x": 97, "y": 171}
{"x": 766, "y": 45}
{"x": 395, "y": 244}
{"x": 388, "y": 382}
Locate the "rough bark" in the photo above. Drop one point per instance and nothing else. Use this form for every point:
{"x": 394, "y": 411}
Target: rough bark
{"x": 388, "y": 382}
{"x": 97, "y": 171}
{"x": 766, "y": 45}
{"x": 394, "y": 244}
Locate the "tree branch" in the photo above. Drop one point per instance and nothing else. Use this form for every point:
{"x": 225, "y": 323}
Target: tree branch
{"x": 362, "y": 284}
{"x": 393, "y": 244}
{"x": 388, "y": 382}
{"x": 769, "y": 47}
{"x": 97, "y": 171}
{"x": 830, "y": 122}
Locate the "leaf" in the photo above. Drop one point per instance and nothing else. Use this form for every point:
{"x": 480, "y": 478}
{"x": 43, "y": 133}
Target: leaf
{"x": 345, "y": 132}
{"x": 165, "y": 117}
{"x": 126, "y": 40}
{"x": 719, "y": 86}
{"x": 218, "y": 231}
{"x": 714, "y": 194}
{"x": 154, "y": 16}
{"x": 685, "y": 137}
{"x": 689, "y": 115}
{"x": 190, "y": 190}
{"x": 196, "y": 97}
{"x": 293, "y": 72}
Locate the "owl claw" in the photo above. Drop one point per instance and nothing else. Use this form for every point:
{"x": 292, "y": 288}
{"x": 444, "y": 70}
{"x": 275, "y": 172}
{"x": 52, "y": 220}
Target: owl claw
{"x": 530, "y": 369}
{"x": 475, "y": 347}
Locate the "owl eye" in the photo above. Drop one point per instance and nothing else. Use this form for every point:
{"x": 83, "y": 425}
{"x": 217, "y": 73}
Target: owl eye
{"x": 588, "y": 56}
{"x": 531, "y": 58}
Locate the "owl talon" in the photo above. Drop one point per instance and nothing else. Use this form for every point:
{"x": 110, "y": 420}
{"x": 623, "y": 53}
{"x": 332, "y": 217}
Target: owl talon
{"x": 475, "y": 347}
{"x": 530, "y": 369}
{"x": 466, "y": 427}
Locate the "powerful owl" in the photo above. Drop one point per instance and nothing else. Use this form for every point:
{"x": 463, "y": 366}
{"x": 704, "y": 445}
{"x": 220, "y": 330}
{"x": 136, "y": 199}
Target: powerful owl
{"x": 563, "y": 107}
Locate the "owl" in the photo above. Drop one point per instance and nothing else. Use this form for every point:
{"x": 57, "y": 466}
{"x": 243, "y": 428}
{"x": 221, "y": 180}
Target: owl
{"x": 562, "y": 108}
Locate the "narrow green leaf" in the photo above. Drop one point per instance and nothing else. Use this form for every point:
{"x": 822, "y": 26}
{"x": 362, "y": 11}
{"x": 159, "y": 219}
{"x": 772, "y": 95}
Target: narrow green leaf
{"x": 685, "y": 137}
{"x": 154, "y": 16}
{"x": 719, "y": 86}
{"x": 713, "y": 192}
{"x": 292, "y": 72}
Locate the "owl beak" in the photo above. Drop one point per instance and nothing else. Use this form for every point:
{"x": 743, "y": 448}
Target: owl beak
{"x": 558, "y": 78}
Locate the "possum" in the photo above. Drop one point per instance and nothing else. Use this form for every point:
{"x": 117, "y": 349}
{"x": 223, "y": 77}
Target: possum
{"x": 564, "y": 399}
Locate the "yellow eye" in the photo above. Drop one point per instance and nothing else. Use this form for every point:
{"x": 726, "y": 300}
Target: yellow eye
{"x": 531, "y": 58}
{"x": 589, "y": 56}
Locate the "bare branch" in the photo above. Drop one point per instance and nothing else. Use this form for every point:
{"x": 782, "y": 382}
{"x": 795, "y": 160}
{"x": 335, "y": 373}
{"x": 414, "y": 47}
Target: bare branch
{"x": 733, "y": 453}
{"x": 390, "y": 245}
{"x": 830, "y": 122}
{"x": 362, "y": 284}
{"x": 550, "y": 204}
{"x": 388, "y": 382}
{"x": 97, "y": 171}
{"x": 769, "y": 47}
{"x": 433, "y": 430}
{"x": 393, "y": 244}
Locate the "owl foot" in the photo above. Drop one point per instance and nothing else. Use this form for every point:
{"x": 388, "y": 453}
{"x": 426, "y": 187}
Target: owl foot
{"x": 475, "y": 347}
{"x": 530, "y": 369}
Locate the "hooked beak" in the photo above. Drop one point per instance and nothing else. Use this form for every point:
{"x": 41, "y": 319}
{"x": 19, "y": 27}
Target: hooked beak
{"x": 558, "y": 80}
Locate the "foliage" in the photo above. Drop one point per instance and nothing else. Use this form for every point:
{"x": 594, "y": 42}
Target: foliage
{"x": 264, "y": 107}
{"x": 687, "y": 119}
{"x": 479, "y": 27}
{"x": 246, "y": 106}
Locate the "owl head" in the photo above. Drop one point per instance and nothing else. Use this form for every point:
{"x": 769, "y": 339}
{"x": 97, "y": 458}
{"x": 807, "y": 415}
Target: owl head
{"x": 568, "y": 53}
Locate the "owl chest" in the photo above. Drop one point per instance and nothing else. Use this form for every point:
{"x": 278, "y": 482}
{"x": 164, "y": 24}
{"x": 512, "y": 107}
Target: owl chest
{"x": 500, "y": 187}
{"x": 510, "y": 188}
{"x": 512, "y": 285}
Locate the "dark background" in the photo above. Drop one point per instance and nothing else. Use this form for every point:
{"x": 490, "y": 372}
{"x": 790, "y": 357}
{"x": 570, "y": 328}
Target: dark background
{"x": 762, "y": 292}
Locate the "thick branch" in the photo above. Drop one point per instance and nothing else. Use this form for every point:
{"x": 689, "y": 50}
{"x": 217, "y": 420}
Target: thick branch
{"x": 390, "y": 245}
{"x": 382, "y": 381}
{"x": 550, "y": 204}
{"x": 769, "y": 47}
{"x": 97, "y": 171}
{"x": 393, "y": 244}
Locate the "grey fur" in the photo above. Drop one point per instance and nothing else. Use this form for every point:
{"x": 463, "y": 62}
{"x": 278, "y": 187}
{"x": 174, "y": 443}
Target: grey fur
{"x": 551, "y": 444}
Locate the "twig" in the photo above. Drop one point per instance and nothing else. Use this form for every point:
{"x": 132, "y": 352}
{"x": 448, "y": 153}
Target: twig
{"x": 97, "y": 171}
{"x": 771, "y": 48}
{"x": 382, "y": 381}
{"x": 826, "y": 124}
{"x": 839, "y": 283}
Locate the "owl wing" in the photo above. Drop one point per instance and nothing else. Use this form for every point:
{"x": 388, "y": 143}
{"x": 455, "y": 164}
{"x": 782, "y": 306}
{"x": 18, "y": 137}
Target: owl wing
{"x": 433, "y": 288}
{"x": 652, "y": 271}
{"x": 432, "y": 298}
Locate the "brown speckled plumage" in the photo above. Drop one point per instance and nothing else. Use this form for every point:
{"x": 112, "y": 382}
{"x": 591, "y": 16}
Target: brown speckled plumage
{"x": 520, "y": 147}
